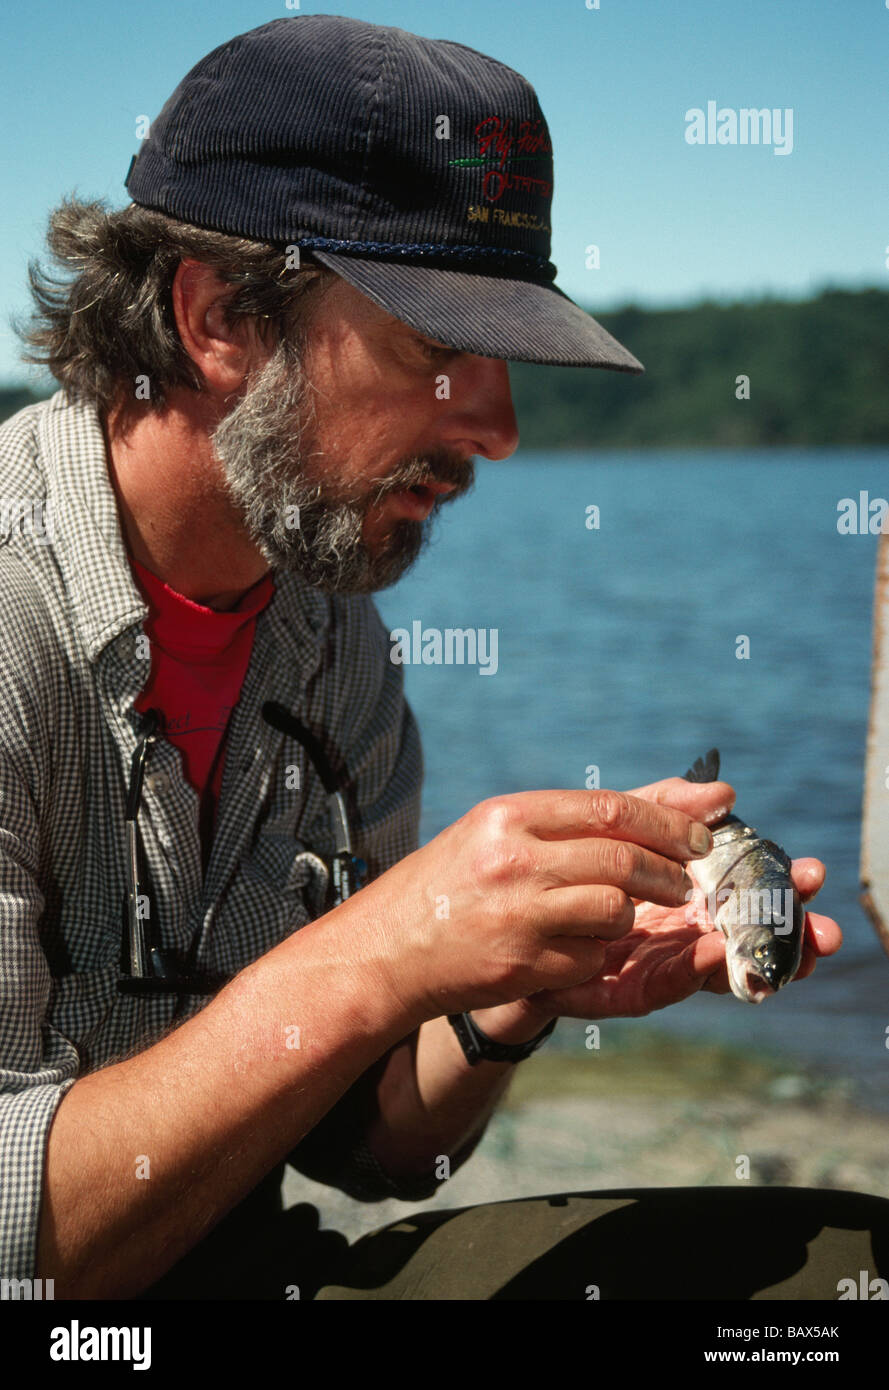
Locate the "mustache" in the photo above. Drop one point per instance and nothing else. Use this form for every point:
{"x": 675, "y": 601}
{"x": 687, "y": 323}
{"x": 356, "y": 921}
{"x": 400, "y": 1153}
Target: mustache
{"x": 438, "y": 466}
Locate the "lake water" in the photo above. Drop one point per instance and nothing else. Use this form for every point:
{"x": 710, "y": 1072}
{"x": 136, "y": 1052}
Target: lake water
{"x": 617, "y": 647}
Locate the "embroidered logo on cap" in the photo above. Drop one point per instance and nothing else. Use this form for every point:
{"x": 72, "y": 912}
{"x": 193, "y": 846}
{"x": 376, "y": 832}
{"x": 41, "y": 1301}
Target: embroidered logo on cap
{"x": 499, "y": 146}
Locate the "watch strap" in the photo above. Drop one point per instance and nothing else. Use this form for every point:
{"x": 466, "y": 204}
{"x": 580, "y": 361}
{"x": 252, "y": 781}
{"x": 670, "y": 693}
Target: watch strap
{"x": 478, "y": 1047}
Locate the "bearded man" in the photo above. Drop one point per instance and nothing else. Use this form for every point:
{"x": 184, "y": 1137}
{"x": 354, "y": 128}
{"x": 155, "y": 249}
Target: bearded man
{"x": 204, "y": 746}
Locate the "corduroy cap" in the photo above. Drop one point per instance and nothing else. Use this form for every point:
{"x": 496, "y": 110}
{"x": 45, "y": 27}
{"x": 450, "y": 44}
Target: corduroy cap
{"x": 419, "y": 170}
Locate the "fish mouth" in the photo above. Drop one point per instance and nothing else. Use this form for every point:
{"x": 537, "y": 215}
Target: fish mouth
{"x": 746, "y": 982}
{"x": 759, "y": 963}
{"x": 756, "y": 988}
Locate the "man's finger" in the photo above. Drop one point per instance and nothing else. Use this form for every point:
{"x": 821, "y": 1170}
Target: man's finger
{"x": 706, "y": 801}
{"x": 823, "y": 934}
{"x": 822, "y": 938}
{"x": 579, "y": 815}
{"x": 808, "y": 875}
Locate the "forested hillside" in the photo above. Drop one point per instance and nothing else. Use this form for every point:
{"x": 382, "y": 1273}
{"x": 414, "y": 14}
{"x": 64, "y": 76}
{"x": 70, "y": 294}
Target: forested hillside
{"x": 818, "y": 373}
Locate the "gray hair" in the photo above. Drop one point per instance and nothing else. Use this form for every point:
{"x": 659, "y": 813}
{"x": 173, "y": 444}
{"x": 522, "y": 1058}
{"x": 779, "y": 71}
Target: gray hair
{"x": 105, "y": 317}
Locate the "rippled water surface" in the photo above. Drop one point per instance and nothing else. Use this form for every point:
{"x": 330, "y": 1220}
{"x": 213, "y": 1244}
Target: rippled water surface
{"x": 617, "y": 647}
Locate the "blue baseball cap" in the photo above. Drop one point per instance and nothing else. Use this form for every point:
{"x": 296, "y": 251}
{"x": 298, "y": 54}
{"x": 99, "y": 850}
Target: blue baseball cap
{"x": 419, "y": 170}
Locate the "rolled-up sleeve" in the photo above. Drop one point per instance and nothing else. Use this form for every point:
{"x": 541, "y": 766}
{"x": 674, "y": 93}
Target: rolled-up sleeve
{"x": 37, "y": 1065}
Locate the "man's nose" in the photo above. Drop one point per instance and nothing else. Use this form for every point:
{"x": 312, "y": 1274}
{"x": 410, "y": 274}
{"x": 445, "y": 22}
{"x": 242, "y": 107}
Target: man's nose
{"x": 481, "y": 418}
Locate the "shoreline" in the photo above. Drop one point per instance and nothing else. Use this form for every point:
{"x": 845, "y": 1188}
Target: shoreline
{"x": 657, "y": 1111}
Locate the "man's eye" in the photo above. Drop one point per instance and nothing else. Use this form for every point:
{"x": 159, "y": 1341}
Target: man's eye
{"x": 434, "y": 353}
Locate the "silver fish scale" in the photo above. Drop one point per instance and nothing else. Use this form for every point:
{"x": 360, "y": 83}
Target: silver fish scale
{"x": 751, "y": 895}
{"x": 737, "y": 845}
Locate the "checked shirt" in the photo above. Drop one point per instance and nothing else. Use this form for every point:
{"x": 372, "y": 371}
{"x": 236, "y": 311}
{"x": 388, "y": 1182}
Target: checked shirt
{"x": 71, "y": 667}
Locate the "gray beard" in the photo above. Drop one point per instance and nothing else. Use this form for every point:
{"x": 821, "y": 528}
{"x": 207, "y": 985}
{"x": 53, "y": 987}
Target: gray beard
{"x": 301, "y": 521}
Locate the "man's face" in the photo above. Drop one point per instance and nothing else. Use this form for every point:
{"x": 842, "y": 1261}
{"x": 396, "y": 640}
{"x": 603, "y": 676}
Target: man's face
{"x": 337, "y": 457}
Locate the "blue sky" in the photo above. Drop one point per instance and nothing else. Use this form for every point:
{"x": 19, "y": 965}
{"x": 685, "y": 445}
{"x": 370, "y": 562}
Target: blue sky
{"x": 674, "y": 222}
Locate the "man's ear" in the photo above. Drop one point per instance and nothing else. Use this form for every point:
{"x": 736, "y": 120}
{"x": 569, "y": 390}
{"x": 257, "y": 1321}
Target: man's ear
{"x": 222, "y": 353}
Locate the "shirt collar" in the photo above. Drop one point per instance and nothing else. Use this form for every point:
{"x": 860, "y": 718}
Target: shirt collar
{"x": 91, "y": 553}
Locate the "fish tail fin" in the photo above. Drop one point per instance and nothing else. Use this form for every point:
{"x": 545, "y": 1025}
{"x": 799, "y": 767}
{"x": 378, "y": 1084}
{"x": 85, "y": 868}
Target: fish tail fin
{"x": 704, "y": 769}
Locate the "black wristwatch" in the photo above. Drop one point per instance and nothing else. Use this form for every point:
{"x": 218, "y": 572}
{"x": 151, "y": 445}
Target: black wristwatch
{"x": 478, "y": 1047}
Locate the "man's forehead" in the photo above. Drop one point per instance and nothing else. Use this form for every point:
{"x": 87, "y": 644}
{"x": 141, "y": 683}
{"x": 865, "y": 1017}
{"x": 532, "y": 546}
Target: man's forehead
{"x": 344, "y": 300}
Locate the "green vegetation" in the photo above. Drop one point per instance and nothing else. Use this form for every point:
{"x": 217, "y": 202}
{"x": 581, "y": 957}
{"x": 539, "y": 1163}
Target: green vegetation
{"x": 818, "y": 370}
{"x": 13, "y": 398}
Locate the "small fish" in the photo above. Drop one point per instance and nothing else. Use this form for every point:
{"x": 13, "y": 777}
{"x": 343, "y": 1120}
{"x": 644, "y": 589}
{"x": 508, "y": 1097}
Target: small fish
{"x": 752, "y": 899}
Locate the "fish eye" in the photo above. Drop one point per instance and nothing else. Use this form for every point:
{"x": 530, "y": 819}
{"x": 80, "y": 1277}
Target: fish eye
{"x": 759, "y": 952}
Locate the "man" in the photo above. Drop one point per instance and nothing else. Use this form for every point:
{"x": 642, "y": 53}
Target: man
{"x": 276, "y": 363}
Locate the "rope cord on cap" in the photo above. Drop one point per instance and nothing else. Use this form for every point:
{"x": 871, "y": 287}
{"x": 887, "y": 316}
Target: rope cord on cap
{"x": 430, "y": 249}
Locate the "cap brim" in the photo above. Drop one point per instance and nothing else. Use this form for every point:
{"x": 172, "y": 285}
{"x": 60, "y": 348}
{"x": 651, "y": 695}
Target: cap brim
{"x": 485, "y": 314}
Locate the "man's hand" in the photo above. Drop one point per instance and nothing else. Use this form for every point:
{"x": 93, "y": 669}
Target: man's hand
{"x": 531, "y": 892}
{"x": 663, "y": 960}
{"x": 584, "y": 887}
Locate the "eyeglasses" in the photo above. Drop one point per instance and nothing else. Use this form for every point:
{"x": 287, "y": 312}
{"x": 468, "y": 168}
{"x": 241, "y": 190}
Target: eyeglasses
{"x": 145, "y": 969}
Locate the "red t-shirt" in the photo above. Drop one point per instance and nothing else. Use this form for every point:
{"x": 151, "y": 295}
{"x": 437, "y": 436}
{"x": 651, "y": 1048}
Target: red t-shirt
{"x": 199, "y": 659}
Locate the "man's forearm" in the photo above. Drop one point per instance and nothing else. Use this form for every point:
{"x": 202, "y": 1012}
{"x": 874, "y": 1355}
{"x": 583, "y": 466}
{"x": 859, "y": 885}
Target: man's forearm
{"x": 431, "y": 1101}
{"x": 145, "y": 1156}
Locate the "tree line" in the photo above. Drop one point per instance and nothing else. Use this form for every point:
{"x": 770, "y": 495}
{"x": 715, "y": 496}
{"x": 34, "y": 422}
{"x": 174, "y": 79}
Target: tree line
{"x": 771, "y": 372}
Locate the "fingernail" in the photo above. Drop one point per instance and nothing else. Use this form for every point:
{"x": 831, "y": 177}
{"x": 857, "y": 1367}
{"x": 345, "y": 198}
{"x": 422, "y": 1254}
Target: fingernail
{"x": 699, "y": 838}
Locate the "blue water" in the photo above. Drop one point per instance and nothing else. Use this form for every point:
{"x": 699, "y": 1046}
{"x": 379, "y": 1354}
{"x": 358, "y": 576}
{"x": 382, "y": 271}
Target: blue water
{"x": 617, "y": 648}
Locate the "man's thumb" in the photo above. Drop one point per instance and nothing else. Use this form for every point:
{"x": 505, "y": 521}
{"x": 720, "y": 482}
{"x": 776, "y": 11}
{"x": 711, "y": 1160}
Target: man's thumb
{"x": 706, "y": 801}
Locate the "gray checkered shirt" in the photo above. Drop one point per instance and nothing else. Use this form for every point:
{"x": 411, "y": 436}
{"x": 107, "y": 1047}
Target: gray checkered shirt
{"x": 71, "y": 668}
